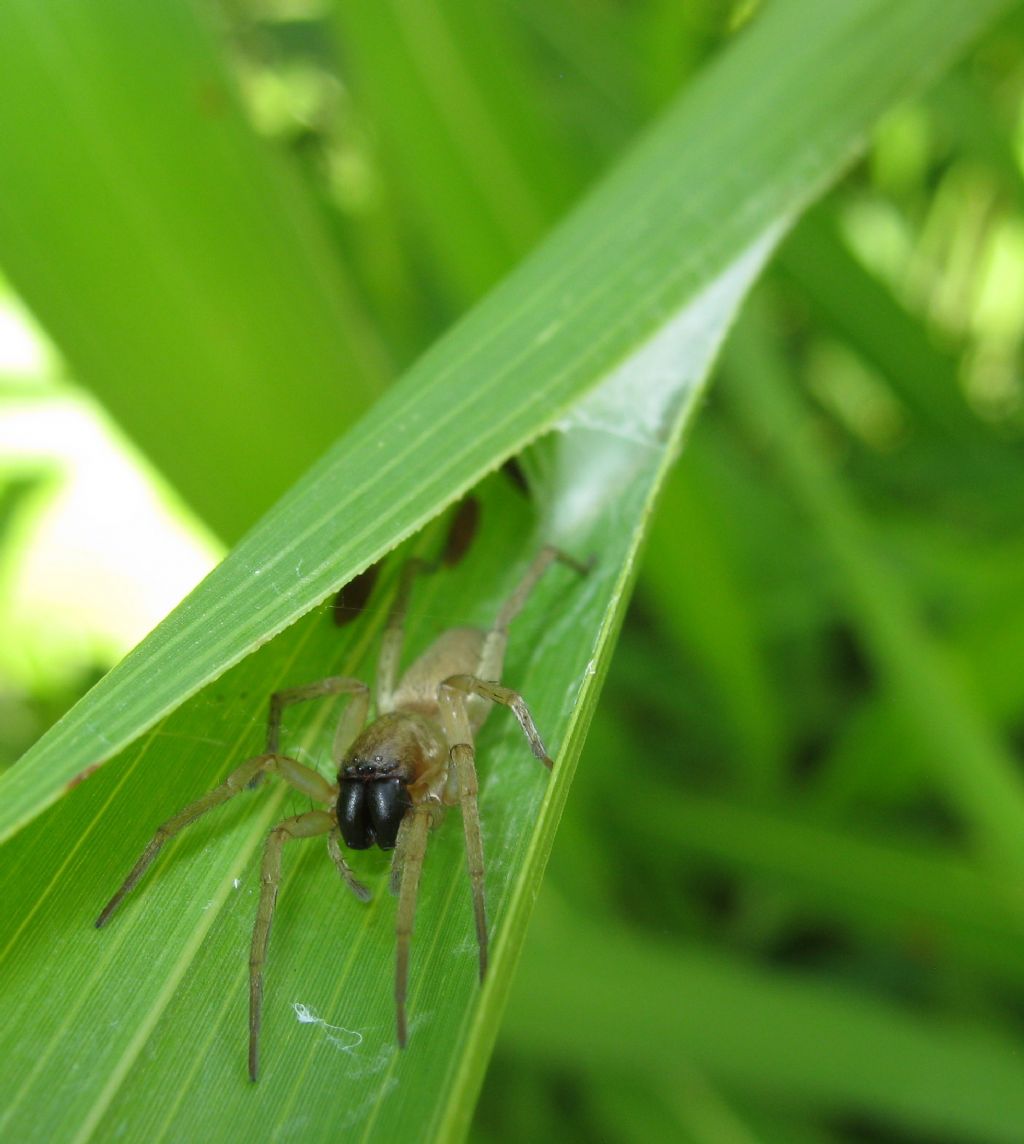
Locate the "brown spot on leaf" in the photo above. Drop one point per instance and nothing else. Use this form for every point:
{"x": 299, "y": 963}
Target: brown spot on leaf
{"x": 82, "y": 775}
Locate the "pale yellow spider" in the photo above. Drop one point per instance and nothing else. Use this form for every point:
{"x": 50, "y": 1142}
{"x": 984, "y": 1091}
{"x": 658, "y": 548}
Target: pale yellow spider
{"x": 395, "y": 776}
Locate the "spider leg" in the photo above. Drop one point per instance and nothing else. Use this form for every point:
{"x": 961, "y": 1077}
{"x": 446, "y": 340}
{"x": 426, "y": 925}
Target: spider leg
{"x": 398, "y": 857}
{"x": 301, "y": 826}
{"x": 465, "y": 770}
{"x": 344, "y": 869}
{"x": 428, "y": 788}
{"x": 492, "y": 657}
{"x": 470, "y": 685}
{"x": 461, "y": 531}
{"x": 456, "y": 723}
{"x": 349, "y": 724}
{"x": 455, "y": 719}
{"x": 302, "y": 778}
{"x": 394, "y": 633}
{"x": 409, "y": 851}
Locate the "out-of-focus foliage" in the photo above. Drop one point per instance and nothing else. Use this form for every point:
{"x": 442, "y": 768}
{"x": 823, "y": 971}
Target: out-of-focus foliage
{"x": 786, "y": 901}
{"x": 27, "y": 710}
{"x": 789, "y": 863}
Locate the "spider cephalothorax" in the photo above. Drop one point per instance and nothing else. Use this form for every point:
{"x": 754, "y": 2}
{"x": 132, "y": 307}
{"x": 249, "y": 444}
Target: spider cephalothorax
{"x": 395, "y": 775}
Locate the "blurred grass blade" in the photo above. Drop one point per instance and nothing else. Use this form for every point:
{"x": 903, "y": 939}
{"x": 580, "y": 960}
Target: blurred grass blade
{"x": 910, "y": 894}
{"x": 839, "y": 1052}
{"x": 865, "y": 313}
{"x": 977, "y": 772}
{"x": 445, "y": 80}
{"x": 670, "y": 220}
{"x": 170, "y": 253}
{"x": 707, "y": 612}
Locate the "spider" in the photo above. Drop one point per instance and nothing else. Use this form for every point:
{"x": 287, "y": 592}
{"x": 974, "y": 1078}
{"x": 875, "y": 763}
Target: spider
{"x": 396, "y": 775}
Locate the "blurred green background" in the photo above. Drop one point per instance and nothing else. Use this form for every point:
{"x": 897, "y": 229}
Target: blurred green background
{"x": 783, "y": 905}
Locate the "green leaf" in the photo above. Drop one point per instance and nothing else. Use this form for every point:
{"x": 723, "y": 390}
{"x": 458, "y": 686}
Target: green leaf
{"x": 171, "y": 254}
{"x": 605, "y": 335}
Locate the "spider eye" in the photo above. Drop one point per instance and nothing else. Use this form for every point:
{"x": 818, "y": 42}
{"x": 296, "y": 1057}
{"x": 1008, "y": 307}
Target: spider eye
{"x": 387, "y": 800}
{"x": 352, "y": 816}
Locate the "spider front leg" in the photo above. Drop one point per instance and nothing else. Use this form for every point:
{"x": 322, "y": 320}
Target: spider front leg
{"x": 462, "y": 759}
{"x": 303, "y": 779}
{"x": 306, "y": 825}
{"x": 458, "y": 731}
{"x": 348, "y": 726}
{"x": 452, "y": 699}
